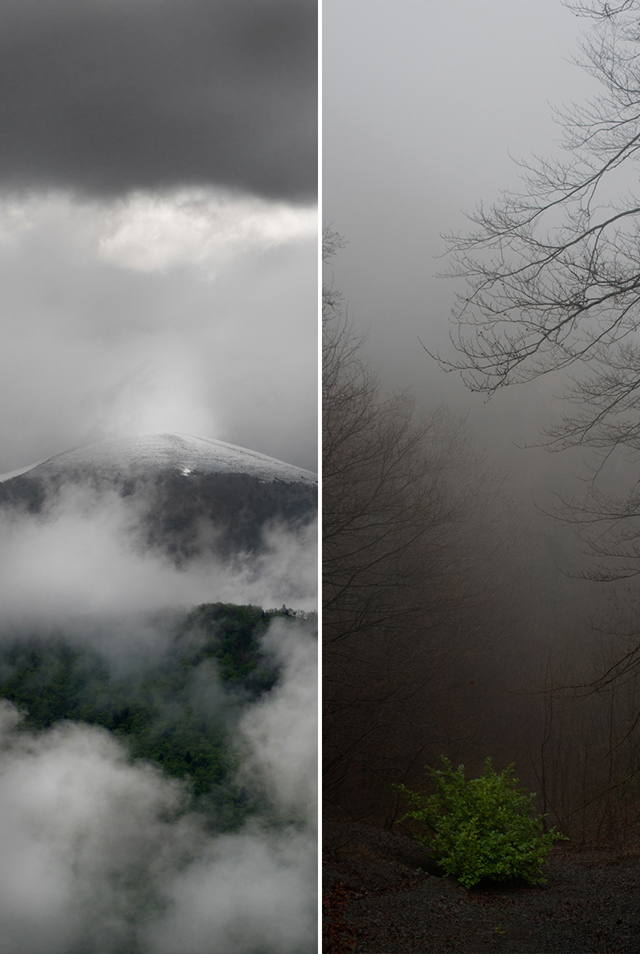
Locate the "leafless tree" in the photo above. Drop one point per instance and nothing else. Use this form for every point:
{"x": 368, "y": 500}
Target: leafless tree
{"x": 552, "y": 278}
{"x": 553, "y": 282}
{"x": 404, "y": 621}
{"x": 553, "y": 272}
{"x": 588, "y": 742}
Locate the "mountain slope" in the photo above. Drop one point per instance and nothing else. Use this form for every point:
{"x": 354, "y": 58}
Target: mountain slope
{"x": 155, "y": 453}
{"x": 189, "y": 494}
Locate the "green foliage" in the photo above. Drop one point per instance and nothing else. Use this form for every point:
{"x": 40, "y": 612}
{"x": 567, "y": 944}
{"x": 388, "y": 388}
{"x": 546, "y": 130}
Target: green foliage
{"x": 180, "y": 712}
{"x": 481, "y": 829}
{"x": 232, "y": 636}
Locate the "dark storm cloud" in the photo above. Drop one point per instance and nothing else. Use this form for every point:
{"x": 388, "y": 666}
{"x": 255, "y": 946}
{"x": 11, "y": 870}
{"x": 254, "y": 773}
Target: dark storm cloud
{"x": 104, "y": 96}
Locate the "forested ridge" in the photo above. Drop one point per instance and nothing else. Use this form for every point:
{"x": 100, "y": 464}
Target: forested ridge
{"x": 178, "y": 712}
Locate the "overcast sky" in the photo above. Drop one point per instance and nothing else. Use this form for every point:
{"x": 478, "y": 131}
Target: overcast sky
{"x": 158, "y": 223}
{"x": 423, "y": 105}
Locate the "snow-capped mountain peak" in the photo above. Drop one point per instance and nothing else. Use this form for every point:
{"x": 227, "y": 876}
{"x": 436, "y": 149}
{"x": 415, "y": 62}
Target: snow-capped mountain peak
{"x": 184, "y": 454}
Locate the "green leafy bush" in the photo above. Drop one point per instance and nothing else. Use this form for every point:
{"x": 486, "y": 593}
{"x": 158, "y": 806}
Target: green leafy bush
{"x": 481, "y": 829}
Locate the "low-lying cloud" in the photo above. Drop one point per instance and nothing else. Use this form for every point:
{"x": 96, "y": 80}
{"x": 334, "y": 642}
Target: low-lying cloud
{"x": 281, "y": 731}
{"x": 102, "y": 855}
{"x": 84, "y": 558}
{"x": 98, "y": 854}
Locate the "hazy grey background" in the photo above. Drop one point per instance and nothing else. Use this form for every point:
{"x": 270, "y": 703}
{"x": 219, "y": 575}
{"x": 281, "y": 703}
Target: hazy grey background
{"x": 423, "y": 104}
{"x": 157, "y": 223}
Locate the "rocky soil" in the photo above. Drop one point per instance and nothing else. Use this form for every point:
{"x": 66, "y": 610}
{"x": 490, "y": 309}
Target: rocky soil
{"x": 381, "y": 895}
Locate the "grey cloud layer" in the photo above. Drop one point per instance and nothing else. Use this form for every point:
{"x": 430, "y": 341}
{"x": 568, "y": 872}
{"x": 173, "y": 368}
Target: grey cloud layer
{"x": 97, "y": 853}
{"x": 81, "y": 560}
{"x": 104, "y": 97}
{"x": 91, "y": 348}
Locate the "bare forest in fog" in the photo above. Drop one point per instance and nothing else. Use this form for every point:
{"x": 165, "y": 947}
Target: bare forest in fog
{"x": 480, "y": 604}
{"x": 451, "y": 628}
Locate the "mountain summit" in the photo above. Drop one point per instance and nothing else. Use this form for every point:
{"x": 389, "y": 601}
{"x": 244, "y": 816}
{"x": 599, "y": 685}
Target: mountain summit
{"x": 189, "y": 494}
{"x": 151, "y": 454}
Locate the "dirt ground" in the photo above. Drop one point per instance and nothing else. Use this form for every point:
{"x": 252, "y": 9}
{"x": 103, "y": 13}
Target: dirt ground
{"x": 381, "y": 895}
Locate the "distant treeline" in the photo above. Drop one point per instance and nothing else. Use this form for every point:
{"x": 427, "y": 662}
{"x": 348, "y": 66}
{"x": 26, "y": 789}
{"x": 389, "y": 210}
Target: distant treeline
{"x": 179, "y": 713}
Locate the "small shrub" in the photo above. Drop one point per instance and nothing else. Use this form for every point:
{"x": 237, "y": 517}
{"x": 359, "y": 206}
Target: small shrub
{"x": 481, "y": 829}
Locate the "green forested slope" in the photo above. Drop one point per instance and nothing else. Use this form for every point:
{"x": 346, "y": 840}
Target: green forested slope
{"x": 179, "y": 713}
